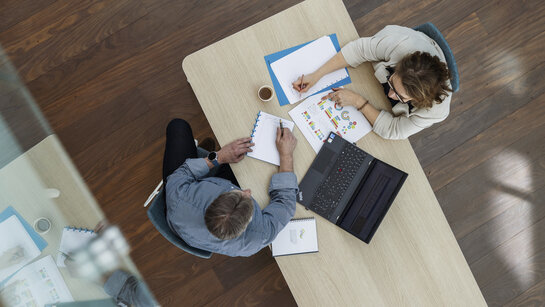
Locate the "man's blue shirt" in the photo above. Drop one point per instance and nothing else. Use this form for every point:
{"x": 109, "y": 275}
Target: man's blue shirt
{"x": 189, "y": 192}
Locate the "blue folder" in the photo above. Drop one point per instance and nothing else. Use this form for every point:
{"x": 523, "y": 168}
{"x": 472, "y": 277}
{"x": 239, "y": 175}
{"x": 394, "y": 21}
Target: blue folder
{"x": 40, "y": 242}
{"x": 282, "y": 99}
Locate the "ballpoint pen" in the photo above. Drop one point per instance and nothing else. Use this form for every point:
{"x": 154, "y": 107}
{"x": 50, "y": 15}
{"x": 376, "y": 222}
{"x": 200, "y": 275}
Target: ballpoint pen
{"x": 281, "y": 129}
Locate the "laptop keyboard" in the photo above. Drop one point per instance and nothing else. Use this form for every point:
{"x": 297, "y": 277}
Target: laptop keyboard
{"x": 332, "y": 189}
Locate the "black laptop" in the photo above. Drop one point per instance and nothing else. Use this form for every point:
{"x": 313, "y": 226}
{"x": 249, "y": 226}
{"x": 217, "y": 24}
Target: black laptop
{"x": 349, "y": 187}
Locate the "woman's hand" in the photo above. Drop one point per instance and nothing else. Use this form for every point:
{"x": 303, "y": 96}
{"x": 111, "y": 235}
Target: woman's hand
{"x": 346, "y": 97}
{"x": 305, "y": 82}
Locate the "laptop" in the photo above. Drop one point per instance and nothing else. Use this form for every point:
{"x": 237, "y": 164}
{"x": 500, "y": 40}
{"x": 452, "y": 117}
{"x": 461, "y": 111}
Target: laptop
{"x": 349, "y": 187}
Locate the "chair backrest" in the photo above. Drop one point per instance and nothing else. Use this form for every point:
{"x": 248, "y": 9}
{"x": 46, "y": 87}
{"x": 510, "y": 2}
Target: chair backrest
{"x": 430, "y": 30}
{"x": 157, "y": 215}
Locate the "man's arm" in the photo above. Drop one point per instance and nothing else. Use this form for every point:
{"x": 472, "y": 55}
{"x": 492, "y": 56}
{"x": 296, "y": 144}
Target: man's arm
{"x": 282, "y": 189}
{"x": 233, "y": 152}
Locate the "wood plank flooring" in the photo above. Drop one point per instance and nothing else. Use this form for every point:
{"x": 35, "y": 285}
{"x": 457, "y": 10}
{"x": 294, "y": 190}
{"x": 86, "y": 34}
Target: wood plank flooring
{"x": 107, "y": 75}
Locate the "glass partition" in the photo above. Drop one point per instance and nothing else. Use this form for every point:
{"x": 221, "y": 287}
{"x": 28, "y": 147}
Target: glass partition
{"x": 49, "y": 252}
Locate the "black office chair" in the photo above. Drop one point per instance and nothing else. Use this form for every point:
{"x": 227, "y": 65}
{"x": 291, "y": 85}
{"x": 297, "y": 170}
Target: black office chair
{"x": 157, "y": 216}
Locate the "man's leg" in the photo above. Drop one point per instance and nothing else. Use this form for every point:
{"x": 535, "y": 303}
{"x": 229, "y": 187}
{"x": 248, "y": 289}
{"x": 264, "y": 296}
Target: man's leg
{"x": 180, "y": 145}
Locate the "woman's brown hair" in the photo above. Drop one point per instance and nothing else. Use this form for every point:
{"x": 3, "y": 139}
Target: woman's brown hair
{"x": 424, "y": 77}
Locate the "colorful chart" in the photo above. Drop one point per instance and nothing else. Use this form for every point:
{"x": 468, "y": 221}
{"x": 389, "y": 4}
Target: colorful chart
{"x": 338, "y": 107}
{"x": 306, "y": 115}
{"x": 335, "y": 121}
{"x": 312, "y": 125}
{"x": 321, "y": 104}
{"x": 351, "y": 125}
{"x": 320, "y": 135}
{"x": 345, "y": 115}
{"x": 329, "y": 112}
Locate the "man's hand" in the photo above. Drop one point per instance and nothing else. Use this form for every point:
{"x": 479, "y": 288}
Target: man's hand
{"x": 235, "y": 151}
{"x": 285, "y": 143}
{"x": 346, "y": 97}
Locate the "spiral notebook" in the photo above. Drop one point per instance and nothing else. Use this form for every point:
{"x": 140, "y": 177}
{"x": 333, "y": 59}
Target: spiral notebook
{"x": 298, "y": 237}
{"x": 264, "y": 137}
{"x": 72, "y": 239}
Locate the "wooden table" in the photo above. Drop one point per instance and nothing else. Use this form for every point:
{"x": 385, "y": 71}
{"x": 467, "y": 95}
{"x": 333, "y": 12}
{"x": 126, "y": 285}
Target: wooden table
{"x": 414, "y": 258}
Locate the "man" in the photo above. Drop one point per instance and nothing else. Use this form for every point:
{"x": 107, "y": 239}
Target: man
{"x": 213, "y": 213}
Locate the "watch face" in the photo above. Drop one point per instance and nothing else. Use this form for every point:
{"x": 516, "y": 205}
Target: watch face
{"x": 212, "y": 156}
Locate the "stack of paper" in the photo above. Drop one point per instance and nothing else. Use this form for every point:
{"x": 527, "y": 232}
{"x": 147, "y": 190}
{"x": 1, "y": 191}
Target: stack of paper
{"x": 291, "y": 63}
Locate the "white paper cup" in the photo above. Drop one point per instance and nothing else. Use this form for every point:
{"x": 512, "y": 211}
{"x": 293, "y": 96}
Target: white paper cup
{"x": 265, "y": 93}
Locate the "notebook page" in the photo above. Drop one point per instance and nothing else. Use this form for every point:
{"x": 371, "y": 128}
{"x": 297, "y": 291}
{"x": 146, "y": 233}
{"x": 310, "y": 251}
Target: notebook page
{"x": 299, "y": 236}
{"x": 305, "y": 61}
{"x": 71, "y": 240}
{"x": 265, "y": 137}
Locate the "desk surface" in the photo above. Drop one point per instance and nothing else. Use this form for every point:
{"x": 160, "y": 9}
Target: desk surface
{"x": 414, "y": 258}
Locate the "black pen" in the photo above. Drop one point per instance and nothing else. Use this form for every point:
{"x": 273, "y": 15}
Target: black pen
{"x": 281, "y": 129}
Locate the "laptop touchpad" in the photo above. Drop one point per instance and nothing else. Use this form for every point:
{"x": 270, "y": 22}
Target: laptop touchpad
{"x": 323, "y": 160}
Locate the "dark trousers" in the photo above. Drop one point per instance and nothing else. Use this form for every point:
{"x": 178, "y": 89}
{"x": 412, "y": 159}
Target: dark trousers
{"x": 180, "y": 146}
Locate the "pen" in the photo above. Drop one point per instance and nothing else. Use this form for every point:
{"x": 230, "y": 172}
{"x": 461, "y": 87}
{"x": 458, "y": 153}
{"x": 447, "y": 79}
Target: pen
{"x": 302, "y": 85}
{"x": 281, "y": 129}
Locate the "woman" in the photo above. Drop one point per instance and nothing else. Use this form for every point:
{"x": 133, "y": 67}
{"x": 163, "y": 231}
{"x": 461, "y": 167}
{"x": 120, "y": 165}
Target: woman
{"x": 413, "y": 71}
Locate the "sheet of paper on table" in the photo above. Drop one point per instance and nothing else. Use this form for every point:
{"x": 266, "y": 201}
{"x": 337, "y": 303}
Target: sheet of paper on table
{"x": 305, "y": 61}
{"x": 316, "y": 118}
{"x": 16, "y": 247}
{"x": 36, "y": 284}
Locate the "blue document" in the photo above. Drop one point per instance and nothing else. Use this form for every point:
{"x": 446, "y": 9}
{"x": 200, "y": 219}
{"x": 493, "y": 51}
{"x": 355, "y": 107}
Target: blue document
{"x": 282, "y": 99}
{"x": 38, "y": 240}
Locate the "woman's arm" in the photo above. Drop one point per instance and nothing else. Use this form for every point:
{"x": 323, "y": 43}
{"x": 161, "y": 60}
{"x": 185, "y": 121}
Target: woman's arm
{"x": 307, "y": 81}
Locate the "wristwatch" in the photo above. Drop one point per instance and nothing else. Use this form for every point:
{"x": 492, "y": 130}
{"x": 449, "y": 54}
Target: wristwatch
{"x": 213, "y": 157}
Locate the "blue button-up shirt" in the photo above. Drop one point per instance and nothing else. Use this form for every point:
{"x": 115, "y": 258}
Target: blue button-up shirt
{"x": 189, "y": 192}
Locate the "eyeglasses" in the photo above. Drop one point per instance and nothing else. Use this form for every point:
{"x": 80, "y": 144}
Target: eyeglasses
{"x": 393, "y": 88}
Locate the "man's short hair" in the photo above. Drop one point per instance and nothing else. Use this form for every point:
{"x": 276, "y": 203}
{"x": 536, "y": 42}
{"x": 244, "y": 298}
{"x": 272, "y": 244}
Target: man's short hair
{"x": 228, "y": 215}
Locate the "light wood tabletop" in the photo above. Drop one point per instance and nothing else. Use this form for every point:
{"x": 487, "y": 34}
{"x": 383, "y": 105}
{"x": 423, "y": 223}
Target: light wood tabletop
{"x": 414, "y": 258}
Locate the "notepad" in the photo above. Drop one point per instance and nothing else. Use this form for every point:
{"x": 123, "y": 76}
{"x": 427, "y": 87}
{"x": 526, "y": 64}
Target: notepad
{"x": 264, "y": 137}
{"x": 72, "y": 239}
{"x": 307, "y": 60}
{"x": 298, "y": 237}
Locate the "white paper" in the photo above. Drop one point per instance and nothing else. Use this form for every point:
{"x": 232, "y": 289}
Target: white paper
{"x": 299, "y": 236}
{"x": 316, "y": 118}
{"x": 16, "y": 247}
{"x": 306, "y": 60}
{"x": 71, "y": 240}
{"x": 264, "y": 137}
{"x": 37, "y": 284}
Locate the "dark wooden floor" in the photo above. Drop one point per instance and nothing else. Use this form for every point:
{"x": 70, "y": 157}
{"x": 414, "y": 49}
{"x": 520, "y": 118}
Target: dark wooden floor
{"x": 107, "y": 75}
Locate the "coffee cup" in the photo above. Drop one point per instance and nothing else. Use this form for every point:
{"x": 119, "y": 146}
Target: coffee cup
{"x": 265, "y": 93}
{"x": 42, "y": 225}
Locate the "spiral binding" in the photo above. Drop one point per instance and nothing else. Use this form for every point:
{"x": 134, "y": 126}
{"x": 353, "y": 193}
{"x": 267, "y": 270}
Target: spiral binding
{"x": 255, "y": 125}
{"x": 302, "y": 219}
{"x": 72, "y": 228}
